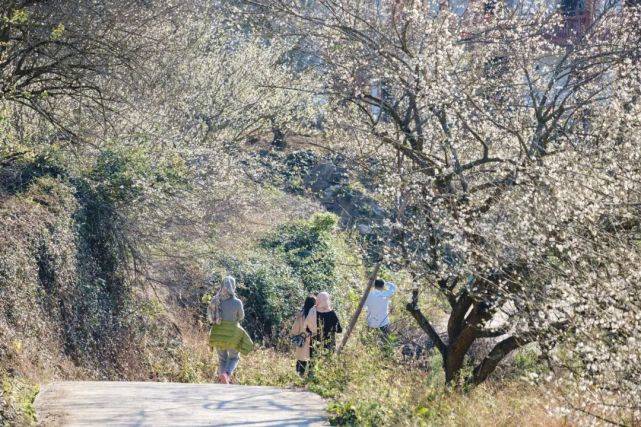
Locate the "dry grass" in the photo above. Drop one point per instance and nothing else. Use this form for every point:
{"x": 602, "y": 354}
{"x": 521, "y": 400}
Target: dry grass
{"x": 367, "y": 386}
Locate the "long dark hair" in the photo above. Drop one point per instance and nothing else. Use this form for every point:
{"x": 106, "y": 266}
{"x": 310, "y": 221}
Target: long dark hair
{"x": 310, "y": 302}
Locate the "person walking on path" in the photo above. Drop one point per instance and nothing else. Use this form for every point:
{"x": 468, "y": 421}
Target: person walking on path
{"x": 305, "y": 325}
{"x": 377, "y": 305}
{"x": 225, "y": 312}
{"x": 328, "y": 323}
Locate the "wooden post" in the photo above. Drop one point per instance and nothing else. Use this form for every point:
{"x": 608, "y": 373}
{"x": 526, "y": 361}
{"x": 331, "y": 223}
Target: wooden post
{"x": 361, "y": 304}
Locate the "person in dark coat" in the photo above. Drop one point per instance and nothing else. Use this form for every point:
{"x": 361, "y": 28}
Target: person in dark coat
{"x": 328, "y": 323}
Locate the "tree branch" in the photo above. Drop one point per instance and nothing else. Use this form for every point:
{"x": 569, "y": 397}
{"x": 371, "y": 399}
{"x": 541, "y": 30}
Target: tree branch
{"x": 425, "y": 324}
{"x": 491, "y": 361}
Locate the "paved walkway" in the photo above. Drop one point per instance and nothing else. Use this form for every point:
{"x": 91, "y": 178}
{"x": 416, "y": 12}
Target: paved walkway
{"x": 169, "y": 404}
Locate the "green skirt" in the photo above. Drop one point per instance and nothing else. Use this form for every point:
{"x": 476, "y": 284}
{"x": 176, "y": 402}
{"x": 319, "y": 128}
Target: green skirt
{"x": 228, "y": 335}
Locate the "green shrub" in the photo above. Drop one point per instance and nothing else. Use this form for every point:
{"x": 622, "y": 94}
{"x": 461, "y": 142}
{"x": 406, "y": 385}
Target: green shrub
{"x": 306, "y": 246}
{"x": 527, "y": 363}
{"x": 296, "y": 260}
{"x": 270, "y": 291}
{"x": 124, "y": 175}
{"x": 17, "y": 396}
{"x": 343, "y": 414}
{"x": 65, "y": 266}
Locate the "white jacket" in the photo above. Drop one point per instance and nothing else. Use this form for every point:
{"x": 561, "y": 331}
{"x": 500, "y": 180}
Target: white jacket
{"x": 377, "y": 305}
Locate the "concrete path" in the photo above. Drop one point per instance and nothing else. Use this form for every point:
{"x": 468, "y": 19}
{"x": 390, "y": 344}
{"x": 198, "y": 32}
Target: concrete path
{"x": 169, "y": 404}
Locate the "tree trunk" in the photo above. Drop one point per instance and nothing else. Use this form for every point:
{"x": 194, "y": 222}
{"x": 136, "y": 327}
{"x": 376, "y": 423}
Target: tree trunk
{"x": 422, "y": 321}
{"x": 492, "y": 360}
{"x": 463, "y": 330}
{"x": 456, "y": 352}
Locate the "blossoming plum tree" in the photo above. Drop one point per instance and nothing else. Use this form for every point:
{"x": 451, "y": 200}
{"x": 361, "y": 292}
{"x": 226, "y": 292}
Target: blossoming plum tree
{"x": 508, "y": 149}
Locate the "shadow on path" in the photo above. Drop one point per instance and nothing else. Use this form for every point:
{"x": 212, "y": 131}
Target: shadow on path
{"x": 169, "y": 404}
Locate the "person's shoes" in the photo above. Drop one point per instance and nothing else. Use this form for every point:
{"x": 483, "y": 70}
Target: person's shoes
{"x": 228, "y": 377}
{"x": 223, "y": 379}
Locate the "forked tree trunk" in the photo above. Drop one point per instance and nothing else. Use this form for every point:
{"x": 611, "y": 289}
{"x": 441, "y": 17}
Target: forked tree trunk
{"x": 464, "y": 328}
{"x": 492, "y": 360}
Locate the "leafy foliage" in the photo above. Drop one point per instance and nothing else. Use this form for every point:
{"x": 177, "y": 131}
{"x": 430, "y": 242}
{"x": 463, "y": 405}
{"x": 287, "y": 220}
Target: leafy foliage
{"x": 296, "y": 260}
{"x": 66, "y": 293}
{"x": 269, "y": 290}
{"x": 509, "y": 149}
{"x": 307, "y": 248}
{"x": 503, "y": 150}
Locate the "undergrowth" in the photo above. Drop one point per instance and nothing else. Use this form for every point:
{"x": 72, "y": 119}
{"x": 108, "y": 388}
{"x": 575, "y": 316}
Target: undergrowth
{"x": 367, "y": 385}
{"x": 17, "y": 396}
{"x": 78, "y": 314}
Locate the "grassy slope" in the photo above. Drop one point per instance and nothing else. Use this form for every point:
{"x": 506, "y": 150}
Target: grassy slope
{"x": 364, "y": 386}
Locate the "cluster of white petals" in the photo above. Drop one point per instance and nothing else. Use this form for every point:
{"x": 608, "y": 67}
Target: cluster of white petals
{"x": 508, "y": 154}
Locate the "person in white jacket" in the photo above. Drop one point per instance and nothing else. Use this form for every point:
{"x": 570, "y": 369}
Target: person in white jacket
{"x": 377, "y": 305}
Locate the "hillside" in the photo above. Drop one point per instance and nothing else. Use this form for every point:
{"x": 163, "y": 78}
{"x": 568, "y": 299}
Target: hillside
{"x": 481, "y": 160}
